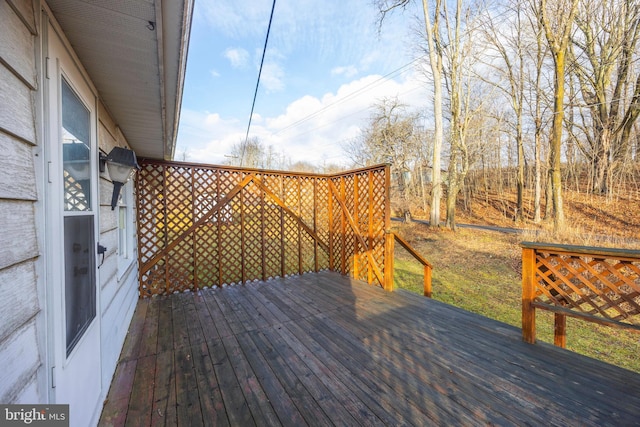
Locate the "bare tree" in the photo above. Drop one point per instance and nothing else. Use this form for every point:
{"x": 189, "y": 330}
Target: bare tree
{"x": 603, "y": 52}
{"x": 536, "y": 99}
{"x": 392, "y": 136}
{"x": 248, "y": 153}
{"x": 302, "y": 166}
{"x": 432, "y": 29}
{"x": 508, "y": 40}
{"x": 459, "y": 49}
{"x": 557, "y": 17}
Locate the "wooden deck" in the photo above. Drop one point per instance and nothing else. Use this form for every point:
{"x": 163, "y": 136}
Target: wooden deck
{"x": 321, "y": 349}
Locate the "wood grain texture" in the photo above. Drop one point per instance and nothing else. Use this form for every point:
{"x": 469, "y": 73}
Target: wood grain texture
{"x": 324, "y": 349}
{"x": 19, "y": 361}
{"x": 18, "y": 238}
{"x": 19, "y": 302}
{"x": 203, "y": 226}
{"x": 17, "y": 117}
{"x": 600, "y": 285}
{"x": 17, "y": 49}
{"x": 17, "y": 174}
{"x": 24, "y": 10}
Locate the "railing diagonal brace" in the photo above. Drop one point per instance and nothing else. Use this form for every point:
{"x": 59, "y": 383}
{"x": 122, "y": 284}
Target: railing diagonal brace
{"x": 216, "y": 208}
{"x": 356, "y": 232}
{"x": 291, "y": 213}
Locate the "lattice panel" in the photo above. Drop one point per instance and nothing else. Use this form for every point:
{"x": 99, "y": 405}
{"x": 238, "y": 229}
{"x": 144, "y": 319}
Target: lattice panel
{"x": 322, "y": 221}
{"x": 207, "y": 269}
{"x": 75, "y": 194}
{"x": 202, "y": 226}
{"x": 154, "y": 281}
{"x": 378, "y": 206}
{"x": 150, "y": 188}
{"x": 179, "y": 201}
{"x": 363, "y": 215}
{"x": 290, "y": 231}
{"x": 336, "y": 230}
{"x": 607, "y": 288}
{"x": 251, "y": 205}
{"x": 206, "y": 196}
{"x": 307, "y": 214}
{"x": 181, "y": 266}
{"x": 273, "y": 221}
{"x": 350, "y": 245}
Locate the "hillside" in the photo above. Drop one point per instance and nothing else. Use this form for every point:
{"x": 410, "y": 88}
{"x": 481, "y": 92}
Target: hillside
{"x": 591, "y": 219}
{"x": 480, "y": 271}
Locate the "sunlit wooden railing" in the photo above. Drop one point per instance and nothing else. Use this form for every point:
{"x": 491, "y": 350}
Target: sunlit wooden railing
{"x": 393, "y": 237}
{"x": 600, "y": 285}
{"x": 204, "y": 225}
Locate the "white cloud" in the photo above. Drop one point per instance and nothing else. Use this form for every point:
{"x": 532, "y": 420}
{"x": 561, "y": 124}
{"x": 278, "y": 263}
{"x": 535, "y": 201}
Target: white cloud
{"x": 214, "y": 73}
{"x": 238, "y": 57}
{"x": 234, "y": 19}
{"x": 272, "y": 77}
{"x": 348, "y": 71}
{"x": 311, "y": 129}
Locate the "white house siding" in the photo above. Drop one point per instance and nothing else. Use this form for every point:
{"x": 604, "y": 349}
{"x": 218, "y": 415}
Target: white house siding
{"x": 23, "y": 377}
{"x": 119, "y": 289}
{"x": 22, "y": 325}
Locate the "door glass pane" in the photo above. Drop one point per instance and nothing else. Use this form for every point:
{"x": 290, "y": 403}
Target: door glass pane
{"x": 80, "y": 286}
{"x": 76, "y": 151}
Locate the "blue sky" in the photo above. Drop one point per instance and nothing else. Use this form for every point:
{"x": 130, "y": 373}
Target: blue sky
{"x": 325, "y": 66}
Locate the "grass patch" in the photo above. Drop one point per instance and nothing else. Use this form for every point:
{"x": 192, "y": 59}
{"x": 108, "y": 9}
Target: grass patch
{"x": 480, "y": 271}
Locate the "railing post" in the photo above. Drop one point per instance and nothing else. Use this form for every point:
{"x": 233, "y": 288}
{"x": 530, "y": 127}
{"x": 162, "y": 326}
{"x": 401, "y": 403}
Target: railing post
{"x": 528, "y": 294}
{"x": 389, "y": 243}
{"x": 427, "y": 281}
{"x": 560, "y": 330}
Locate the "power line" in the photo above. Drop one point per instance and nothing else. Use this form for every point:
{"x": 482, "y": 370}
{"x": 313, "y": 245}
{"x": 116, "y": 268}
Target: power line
{"x": 338, "y": 120}
{"x": 255, "y": 94}
{"x": 365, "y": 88}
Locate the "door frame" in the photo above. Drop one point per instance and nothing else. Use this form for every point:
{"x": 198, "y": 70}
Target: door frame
{"x": 59, "y": 61}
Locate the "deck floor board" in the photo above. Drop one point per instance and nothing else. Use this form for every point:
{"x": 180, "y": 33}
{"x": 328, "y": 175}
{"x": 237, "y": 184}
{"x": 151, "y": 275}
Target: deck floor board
{"x": 322, "y": 349}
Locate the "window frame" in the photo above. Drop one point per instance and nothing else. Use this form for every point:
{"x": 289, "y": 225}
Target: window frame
{"x": 125, "y": 258}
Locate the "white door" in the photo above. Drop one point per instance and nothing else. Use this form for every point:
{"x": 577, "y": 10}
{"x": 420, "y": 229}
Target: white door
{"x": 72, "y": 225}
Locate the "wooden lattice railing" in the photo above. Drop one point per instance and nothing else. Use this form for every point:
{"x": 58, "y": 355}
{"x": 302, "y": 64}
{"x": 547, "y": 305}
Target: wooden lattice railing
{"x": 203, "y": 226}
{"x": 597, "y": 284}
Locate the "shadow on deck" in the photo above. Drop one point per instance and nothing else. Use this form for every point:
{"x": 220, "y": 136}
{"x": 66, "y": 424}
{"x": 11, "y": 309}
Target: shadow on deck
{"x": 322, "y": 349}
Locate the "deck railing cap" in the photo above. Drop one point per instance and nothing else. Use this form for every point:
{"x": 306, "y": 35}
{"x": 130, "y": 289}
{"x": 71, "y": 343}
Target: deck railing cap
{"x": 587, "y": 250}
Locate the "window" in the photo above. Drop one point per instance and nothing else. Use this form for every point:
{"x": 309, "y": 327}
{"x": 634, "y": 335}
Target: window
{"x": 125, "y": 228}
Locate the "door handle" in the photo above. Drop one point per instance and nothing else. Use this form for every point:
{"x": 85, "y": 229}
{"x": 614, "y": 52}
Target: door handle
{"x": 101, "y": 251}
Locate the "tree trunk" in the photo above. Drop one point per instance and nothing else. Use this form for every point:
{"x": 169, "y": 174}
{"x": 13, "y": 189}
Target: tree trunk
{"x": 452, "y": 194}
{"x": 558, "y": 36}
{"x": 436, "y": 69}
{"x": 520, "y": 178}
{"x": 555, "y": 153}
{"x": 601, "y": 164}
{"x": 538, "y": 170}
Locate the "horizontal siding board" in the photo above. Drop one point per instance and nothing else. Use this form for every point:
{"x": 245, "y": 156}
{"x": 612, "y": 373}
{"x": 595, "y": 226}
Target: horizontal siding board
{"x": 19, "y": 302}
{"x": 115, "y": 323}
{"x": 17, "y": 45}
{"x": 29, "y": 393}
{"x": 18, "y": 238}
{"x": 107, "y": 129}
{"x": 106, "y": 190}
{"x": 19, "y": 358}
{"x": 108, "y": 220}
{"x": 110, "y": 241}
{"x": 108, "y": 271}
{"x": 24, "y": 10}
{"x": 16, "y": 114}
{"x": 17, "y": 175}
